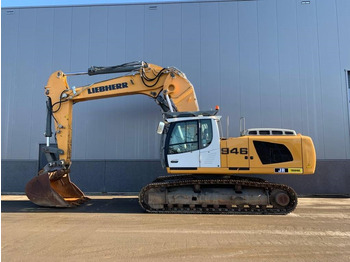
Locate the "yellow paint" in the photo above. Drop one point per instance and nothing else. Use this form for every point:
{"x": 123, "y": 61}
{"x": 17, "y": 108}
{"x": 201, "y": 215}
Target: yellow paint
{"x": 172, "y": 82}
{"x": 235, "y": 146}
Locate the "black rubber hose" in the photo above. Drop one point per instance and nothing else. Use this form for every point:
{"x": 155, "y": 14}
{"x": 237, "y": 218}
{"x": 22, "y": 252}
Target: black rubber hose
{"x": 48, "y": 131}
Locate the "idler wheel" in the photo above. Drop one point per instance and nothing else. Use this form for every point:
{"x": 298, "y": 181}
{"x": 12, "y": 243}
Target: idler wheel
{"x": 279, "y": 198}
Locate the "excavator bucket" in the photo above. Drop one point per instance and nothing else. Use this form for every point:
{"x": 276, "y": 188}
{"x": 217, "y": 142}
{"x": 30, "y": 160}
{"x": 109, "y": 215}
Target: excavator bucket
{"x": 51, "y": 190}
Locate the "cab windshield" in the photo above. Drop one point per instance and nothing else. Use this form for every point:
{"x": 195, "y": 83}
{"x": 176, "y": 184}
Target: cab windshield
{"x": 185, "y": 136}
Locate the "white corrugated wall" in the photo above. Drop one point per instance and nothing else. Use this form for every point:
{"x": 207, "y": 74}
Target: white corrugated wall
{"x": 277, "y": 63}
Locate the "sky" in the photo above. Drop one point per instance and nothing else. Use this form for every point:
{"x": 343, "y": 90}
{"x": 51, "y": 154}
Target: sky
{"x": 35, "y": 3}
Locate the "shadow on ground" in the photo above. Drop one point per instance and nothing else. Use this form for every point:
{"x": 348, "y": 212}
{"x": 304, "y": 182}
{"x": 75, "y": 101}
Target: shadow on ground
{"x": 111, "y": 205}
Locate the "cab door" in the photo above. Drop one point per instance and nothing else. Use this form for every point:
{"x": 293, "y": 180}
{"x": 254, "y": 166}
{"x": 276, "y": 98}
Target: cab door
{"x": 182, "y": 145}
{"x": 209, "y": 153}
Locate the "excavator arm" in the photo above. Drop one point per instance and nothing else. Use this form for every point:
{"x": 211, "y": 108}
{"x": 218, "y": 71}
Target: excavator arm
{"x": 169, "y": 87}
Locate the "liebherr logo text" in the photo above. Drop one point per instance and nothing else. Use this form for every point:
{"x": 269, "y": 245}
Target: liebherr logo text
{"x": 100, "y": 89}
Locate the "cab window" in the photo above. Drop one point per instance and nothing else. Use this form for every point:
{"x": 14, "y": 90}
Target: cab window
{"x": 206, "y": 133}
{"x": 184, "y": 137}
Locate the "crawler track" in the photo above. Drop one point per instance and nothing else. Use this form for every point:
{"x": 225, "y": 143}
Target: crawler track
{"x": 179, "y": 181}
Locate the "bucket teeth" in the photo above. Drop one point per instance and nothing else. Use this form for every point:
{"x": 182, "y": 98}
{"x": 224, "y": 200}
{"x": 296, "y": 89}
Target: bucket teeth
{"x": 54, "y": 189}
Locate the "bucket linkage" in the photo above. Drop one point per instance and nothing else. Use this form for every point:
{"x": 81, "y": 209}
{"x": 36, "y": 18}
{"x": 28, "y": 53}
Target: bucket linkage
{"x": 52, "y": 186}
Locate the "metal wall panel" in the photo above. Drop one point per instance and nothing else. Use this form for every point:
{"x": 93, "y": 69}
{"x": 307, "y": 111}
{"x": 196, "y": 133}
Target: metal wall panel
{"x": 289, "y": 83}
{"x": 94, "y": 116}
{"x": 342, "y": 12}
{"x": 172, "y": 35}
{"x": 249, "y": 72}
{"x": 125, "y": 176}
{"x": 191, "y": 42}
{"x": 277, "y": 63}
{"x": 210, "y": 56}
{"x": 41, "y": 64}
{"x": 8, "y": 58}
{"x": 116, "y": 50}
{"x": 24, "y": 95}
{"x": 270, "y": 91}
{"x": 330, "y": 80}
{"x": 79, "y": 61}
{"x": 230, "y": 101}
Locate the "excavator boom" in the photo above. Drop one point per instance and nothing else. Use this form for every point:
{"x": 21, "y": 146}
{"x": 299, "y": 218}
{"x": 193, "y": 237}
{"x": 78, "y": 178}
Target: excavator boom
{"x": 169, "y": 88}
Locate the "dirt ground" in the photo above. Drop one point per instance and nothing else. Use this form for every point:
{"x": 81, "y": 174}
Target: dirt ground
{"x": 115, "y": 228}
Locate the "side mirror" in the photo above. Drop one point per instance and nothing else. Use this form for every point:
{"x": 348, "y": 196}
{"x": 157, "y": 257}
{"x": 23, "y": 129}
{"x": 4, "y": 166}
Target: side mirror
{"x": 160, "y": 128}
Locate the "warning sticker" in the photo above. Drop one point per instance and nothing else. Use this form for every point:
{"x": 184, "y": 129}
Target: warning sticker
{"x": 295, "y": 170}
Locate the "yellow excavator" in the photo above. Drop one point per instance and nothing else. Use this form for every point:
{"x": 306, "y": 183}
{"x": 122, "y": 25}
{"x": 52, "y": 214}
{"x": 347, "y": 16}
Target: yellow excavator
{"x": 210, "y": 173}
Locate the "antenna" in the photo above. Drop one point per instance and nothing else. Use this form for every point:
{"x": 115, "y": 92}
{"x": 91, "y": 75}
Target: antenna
{"x": 241, "y": 125}
{"x": 227, "y": 126}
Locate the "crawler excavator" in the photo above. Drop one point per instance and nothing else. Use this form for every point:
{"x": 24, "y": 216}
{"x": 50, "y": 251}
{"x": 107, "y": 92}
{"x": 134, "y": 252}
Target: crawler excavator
{"x": 209, "y": 173}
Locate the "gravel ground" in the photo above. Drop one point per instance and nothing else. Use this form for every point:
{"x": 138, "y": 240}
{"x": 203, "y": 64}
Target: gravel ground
{"x": 115, "y": 228}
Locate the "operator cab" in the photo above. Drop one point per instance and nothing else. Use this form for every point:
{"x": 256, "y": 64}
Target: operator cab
{"x": 191, "y": 140}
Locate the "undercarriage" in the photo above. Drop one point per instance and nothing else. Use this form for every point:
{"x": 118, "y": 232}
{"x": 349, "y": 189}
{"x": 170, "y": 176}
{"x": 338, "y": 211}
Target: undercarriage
{"x": 217, "y": 195}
